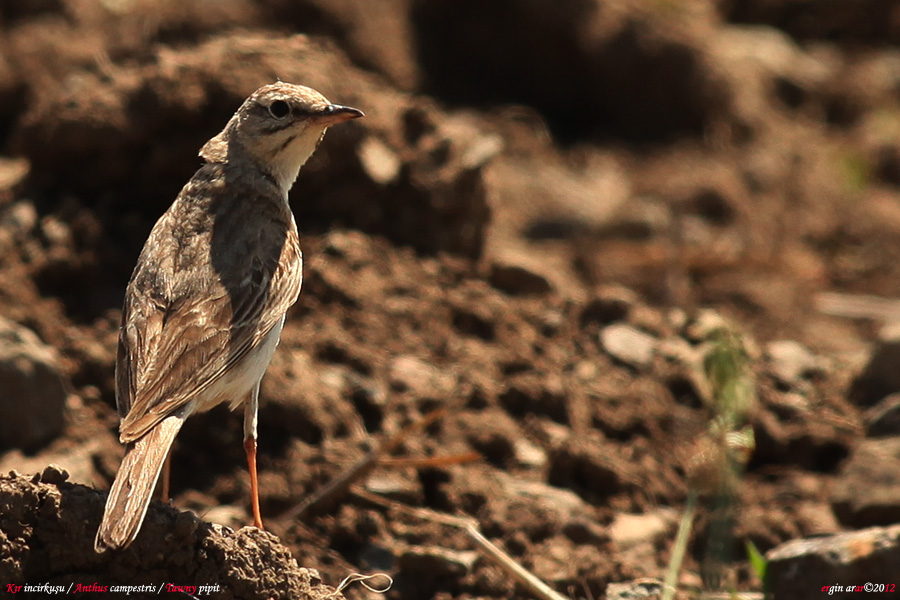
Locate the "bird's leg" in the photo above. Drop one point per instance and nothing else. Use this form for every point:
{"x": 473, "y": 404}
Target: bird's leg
{"x": 250, "y": 410}
{"x": 164, "y": 493}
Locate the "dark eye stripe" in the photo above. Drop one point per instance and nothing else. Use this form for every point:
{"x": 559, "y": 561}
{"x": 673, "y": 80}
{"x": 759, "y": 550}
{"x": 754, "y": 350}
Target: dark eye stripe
{"x": 287, "y": 142}
{"x": 272, "y": 125}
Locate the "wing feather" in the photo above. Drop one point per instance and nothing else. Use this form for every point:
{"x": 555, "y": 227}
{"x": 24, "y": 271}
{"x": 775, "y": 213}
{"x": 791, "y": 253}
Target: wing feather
{"x": 185, "y": 326}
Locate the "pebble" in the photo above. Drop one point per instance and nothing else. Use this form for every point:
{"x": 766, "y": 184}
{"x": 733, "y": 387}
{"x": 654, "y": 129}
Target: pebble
{"x": 800, "y": 568}
{"x": 791, "y": 361}
{"x": 629, "y": 345}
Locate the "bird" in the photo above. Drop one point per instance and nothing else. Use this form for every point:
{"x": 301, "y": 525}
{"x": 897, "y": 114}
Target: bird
{"x": 206, "y": 302}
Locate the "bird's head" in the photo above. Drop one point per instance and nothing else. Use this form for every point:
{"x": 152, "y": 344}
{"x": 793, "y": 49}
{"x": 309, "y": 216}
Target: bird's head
{"x": 278, "y": 127}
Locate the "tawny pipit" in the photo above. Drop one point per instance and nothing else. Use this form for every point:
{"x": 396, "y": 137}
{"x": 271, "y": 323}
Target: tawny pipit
{"x": 205, "y": 305}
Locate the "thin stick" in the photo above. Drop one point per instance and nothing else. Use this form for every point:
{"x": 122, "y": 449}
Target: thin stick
{"x": 858, "y": 306}
{"x": 336, "y": 487}
{"x": 678, "y": 549}
{"x": 339, "y": 486}
{"x": 527, "y": 579}
{"x": 430, "y": 461}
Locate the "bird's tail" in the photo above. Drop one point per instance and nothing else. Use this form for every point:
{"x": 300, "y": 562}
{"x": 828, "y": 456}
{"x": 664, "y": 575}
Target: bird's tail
{"x": 130, "y": 494}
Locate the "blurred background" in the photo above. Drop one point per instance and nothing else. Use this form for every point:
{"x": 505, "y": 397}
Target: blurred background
{"x": 544, "y": 209}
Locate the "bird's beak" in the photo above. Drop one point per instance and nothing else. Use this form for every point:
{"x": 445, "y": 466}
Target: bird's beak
{"x": 335, "y": 113}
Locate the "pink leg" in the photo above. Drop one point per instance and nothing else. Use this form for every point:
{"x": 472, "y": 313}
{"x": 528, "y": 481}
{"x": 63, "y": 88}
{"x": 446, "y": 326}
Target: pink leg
{"x": 166, "y": 470}
{"x": 250, "y": 410}
{"x": 250, "y": 449}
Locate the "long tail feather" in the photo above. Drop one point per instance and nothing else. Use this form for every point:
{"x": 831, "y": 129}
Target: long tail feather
{"x": 133, "y": 487}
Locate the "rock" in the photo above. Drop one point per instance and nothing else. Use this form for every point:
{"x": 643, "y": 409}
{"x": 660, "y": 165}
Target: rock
{"x": 528, "y": 454}
{"x": 52, "y": 474}
{"x": 565, "y": 504}
{"x": 439, "y": 563}
{"x": 517, "y": 280}
{"x": 867, "y": 489}
{"x": 883, "y": 419}
{"x": 629, "y": 345}
{"x": 629, "y": 530}
{"x": 32, "y": 391}
{"x": 639, "y": 589}
{"x": 800, "y": 568}
{"x": 380, "y": 163}
{"x": 791, "y": 361}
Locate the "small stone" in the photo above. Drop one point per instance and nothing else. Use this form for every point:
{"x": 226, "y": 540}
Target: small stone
{"x": 629, "y": 345}
{"x": 381, "y": 163}
{"x": 54, "y": 475}
{"x": 439, "y": 563}
{"x": 528, "y": 454}
{"x": 517, "y": 280}
{"x": 629, "y": 530}
{"x": 567, "y": 505}
{"x": 856, "y": 557}
{"x": 639, "y": 589}
{"x": 791, "y": 361}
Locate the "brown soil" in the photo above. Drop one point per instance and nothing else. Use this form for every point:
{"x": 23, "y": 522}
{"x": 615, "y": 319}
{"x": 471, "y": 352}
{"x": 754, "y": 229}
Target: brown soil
{"x": 525, "y": 176}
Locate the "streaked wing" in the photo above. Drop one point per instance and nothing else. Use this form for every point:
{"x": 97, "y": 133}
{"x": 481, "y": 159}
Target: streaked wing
{"x": 171, "y": 349}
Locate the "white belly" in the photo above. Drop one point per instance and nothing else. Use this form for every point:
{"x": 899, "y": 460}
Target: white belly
{"x": 235, "y": 385}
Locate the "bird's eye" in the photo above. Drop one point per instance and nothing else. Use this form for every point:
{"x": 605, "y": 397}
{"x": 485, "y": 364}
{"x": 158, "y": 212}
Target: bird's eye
{"x": 279, "y": 109}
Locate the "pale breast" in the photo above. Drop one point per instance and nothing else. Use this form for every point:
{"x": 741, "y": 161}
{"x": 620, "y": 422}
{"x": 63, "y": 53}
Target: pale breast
{"x": 236, "y": 383}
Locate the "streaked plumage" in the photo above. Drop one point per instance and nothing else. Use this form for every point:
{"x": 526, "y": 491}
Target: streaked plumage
{"x": 205, "y": 305}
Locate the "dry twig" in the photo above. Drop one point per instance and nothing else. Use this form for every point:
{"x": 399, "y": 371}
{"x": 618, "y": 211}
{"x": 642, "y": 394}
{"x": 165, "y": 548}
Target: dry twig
{"x": 527, "y": 579}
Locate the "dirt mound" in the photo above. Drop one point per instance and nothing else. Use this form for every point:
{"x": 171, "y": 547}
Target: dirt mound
{"x": 48, "y": 526}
